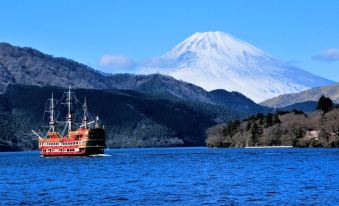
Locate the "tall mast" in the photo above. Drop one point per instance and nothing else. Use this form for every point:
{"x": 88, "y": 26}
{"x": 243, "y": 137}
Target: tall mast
{"x": 69, "y": 120}
{"x": 51, "y": 116}
{"x": 85, "y": 114}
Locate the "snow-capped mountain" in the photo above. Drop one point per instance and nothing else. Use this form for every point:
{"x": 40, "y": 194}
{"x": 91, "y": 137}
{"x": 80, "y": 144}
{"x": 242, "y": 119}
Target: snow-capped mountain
{"x": 216, "y": 60}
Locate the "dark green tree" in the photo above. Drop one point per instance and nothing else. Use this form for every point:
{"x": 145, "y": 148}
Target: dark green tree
{"x": 276, "y": 119}
{"x": 231, "y": 128}
{"x": 268, "y": 121}
{"x": 298, "y": 133}
{"x": 324, "y": 104}
{"x": 256, "y": 131}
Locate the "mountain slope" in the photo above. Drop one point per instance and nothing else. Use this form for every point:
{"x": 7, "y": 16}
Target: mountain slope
{"x": 236, "y": 101}
{"x": 307, "y": 107}
{"x": 168, "y": 87}
{"x": 308, "y": 95}
{"x": 160, "y": 84}
{"x": 216, "y": 60}
{"x": 29, "y": 66}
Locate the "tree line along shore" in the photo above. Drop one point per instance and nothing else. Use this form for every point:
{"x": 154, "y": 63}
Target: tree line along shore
{"x": 295, "y": 128}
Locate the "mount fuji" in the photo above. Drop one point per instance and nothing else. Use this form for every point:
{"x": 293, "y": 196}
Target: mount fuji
{"x": 216, "y": 60}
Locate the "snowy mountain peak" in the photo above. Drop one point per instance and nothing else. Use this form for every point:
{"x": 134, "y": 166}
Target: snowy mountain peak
{"x": 217, "y": 60}
{"x": 214, "y": 44}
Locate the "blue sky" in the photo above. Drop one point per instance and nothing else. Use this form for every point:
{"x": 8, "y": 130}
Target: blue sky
{"x": 305, "y": 33}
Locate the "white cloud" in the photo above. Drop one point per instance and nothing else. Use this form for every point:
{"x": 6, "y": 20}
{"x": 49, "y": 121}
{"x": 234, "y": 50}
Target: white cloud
{"x": 116, "y": 63}
{"x": 156, "y": 65}
{"x": 110, "y": 63}
{"x": 328, "y": 55}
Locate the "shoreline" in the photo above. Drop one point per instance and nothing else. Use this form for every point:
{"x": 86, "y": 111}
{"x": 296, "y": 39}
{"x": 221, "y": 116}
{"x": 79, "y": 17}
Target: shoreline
{"x": 268, "y": 147}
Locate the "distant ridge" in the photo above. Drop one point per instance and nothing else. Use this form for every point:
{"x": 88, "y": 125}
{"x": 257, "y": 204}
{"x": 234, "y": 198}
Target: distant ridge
{"x": 314, "y": 94}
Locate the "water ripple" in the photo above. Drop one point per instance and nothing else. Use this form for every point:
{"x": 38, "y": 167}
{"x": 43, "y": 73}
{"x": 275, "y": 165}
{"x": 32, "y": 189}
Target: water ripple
{"x": 173, "y": 176}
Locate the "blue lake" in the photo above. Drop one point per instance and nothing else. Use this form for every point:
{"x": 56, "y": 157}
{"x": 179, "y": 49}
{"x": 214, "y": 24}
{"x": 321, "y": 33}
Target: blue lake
{"x": 173, "y": 176}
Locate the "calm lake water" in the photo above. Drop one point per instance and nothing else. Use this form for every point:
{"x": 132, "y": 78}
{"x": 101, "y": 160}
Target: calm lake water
{"x": 173, "y": 176}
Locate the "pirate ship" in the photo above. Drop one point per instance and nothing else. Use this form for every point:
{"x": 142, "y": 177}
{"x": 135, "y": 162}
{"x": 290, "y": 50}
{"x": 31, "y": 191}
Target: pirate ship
{"x": 83, "y": 139}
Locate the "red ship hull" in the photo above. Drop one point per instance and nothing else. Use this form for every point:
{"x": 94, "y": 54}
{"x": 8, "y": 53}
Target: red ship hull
{"x": 81, "y": 142}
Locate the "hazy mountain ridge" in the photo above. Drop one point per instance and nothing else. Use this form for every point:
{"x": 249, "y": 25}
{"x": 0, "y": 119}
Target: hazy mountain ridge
{"x": 216, "y": 60}
{"x": 314, "y": 94}
{"x": 31, "y": 67}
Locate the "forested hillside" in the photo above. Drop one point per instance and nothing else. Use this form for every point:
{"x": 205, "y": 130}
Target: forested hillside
{"x": 317, "y": 129}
